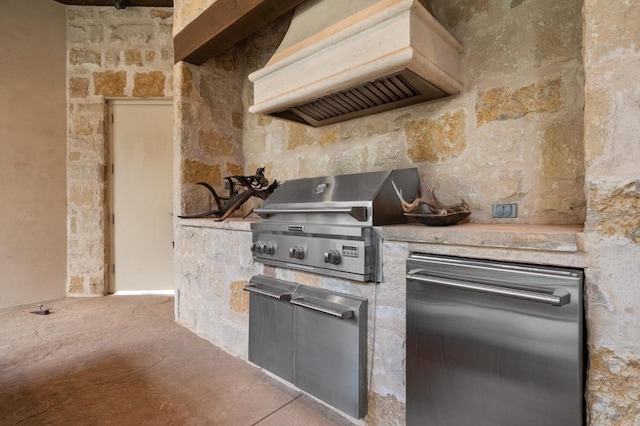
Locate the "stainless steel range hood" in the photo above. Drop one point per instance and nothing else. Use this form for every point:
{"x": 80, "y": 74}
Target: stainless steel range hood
{"x": 341, "y": 60}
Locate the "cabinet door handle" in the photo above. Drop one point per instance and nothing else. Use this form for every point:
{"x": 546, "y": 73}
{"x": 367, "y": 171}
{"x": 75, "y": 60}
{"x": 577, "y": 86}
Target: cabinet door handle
{"x": 342, "y": 314}
{"x": 558, "y": 298}
{"x": 280, "y": 296}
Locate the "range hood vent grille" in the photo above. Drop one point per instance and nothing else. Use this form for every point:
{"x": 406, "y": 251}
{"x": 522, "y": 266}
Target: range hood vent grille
{"x": 339, "y": 62}
{"x": 398, "y": 90}
{"x": 368, "y": 95}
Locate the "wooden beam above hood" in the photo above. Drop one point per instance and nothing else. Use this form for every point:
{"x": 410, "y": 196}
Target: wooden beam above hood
{"x": 223, "y": 24}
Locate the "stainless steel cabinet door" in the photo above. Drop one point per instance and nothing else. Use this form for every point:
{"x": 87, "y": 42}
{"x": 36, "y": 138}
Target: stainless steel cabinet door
{"x": 482, "y": 358}
{"x": 330, "y": 348}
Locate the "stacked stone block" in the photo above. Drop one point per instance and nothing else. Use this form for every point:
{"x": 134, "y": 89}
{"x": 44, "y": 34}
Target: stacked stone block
{"x": 612, "y": 229}
{"x": 209, "y": 115}
{"x": 513, "y": 136}
{"x": 110, "y": 54}
{"x": 548, "y": 120}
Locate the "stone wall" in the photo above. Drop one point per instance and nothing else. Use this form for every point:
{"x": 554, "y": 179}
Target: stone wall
{"x": 537, "y": 125}
{"x": 110, "y": 54}
{"x": 209, "y": 127}
{"x": 612, "y": 154}
{"x": 210, "y": 121}
{"x": 214, "y": 266}
{"x": 513, "y": 136}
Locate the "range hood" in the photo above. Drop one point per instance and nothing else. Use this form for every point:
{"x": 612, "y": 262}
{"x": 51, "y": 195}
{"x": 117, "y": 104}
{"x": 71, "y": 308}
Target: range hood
{"x": 341, "y": 60}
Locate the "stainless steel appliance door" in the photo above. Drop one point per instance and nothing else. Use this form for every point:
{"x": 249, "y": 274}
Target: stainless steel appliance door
{"x": 330, "y": 347}
{"x": 271, "y": 325}
{"x": 503, "y": 350}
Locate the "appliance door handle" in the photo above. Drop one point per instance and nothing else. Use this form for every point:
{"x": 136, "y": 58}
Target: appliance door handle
{"x": 280, "y": 296}
{"x": 342, "y": 314}
{"x": 359, "y": 213}
{"x": 558, "y": 298}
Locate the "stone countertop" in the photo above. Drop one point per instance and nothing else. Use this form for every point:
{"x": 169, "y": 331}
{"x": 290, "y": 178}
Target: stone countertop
{"x": 566, "y": 238}
{"x": 232, "y": 223}
{"x": 545, "y": 244}
{"x": 559, "y": 245}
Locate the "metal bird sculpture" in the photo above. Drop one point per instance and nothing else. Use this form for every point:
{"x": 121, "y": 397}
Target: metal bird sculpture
{"x": 241, "y": 189}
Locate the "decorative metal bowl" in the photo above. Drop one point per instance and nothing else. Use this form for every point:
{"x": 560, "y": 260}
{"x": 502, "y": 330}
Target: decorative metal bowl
{"x": 430, "y": 219}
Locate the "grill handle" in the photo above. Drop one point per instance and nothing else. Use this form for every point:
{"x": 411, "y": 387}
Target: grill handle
{"x": 344, "y": 313}
{"x": 258, "y": 290}
{"x": 359, "y": 213}
{"x": 558, "y": 298}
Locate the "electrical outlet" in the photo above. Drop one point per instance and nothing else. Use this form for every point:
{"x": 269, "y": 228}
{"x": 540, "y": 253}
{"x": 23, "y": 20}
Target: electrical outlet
{"x": 505, "y": 210}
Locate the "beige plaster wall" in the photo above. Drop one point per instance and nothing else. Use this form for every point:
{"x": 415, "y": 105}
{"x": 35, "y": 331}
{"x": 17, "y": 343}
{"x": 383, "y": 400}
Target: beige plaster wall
{"x": 110, "y": 54}
{"x": 612, "y": 154}
{"x": 32, "y": 152}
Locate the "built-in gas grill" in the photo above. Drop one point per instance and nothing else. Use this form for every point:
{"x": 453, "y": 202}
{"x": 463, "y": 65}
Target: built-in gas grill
{"x": 330, "y": 225}
{"x": 316, "y": 338}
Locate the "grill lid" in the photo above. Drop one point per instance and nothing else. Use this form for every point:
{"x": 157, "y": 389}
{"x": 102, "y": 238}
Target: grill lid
{"x": 360, "y": 198}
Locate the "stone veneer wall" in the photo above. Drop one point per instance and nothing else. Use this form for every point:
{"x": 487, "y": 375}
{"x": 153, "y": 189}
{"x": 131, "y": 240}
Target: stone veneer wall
{"x": 612, "y": 153}
{"x": 209, "y": 115}
{"x": 214, "y": 265}
{"x": 518, "y": 133}
{"x": 110, "y": 54}
{"x": 513, "y": 136}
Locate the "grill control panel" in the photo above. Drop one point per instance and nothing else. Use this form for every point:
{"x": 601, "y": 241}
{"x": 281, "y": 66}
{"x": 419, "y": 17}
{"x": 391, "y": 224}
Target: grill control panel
{"x": 350, "y": 251}
{"x": 352, "y": 254}
{"x": 313, "y": 254}
{"x": 333, "y": 256}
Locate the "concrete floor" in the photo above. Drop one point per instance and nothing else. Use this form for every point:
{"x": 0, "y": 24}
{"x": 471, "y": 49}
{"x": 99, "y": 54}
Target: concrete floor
{"x": 122, "y": 360}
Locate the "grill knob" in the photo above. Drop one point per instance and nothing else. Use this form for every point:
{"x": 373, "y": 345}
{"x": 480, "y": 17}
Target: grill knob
{"x": 333, "y": 257}
{"x": 296, "y": 252}
{"x": 268, "y": 248}
{"x": 263, "y": 248}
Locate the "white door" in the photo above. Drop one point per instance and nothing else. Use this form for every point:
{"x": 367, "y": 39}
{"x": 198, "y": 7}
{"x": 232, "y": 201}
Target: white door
{"x": 141, "y": 196}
